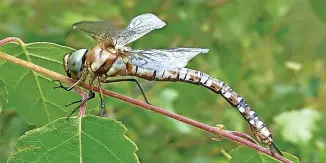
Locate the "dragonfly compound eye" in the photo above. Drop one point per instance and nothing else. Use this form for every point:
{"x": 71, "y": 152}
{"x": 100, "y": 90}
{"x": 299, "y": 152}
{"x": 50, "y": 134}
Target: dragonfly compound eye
{"x": 65, "y": 65}
{"x": 75, "y": 61}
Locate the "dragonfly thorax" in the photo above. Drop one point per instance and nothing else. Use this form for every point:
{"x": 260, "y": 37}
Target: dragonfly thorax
{"x": 73, "y": 63}
{"x": 106, "y": 61}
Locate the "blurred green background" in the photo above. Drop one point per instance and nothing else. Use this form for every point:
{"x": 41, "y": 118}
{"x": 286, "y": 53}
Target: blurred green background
{"x": 272, "y": 52}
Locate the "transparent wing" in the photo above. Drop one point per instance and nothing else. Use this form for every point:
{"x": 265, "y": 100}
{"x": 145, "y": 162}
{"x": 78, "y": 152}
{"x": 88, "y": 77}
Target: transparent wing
{"x": 140, "y": 26}
{"x": 164, "y": 59}
{"x": 102, "y": 30}
{"x": 106, "y": 31}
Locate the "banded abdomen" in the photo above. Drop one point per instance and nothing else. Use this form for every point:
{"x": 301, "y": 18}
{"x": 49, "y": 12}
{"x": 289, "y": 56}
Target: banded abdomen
{"x": 217, "y": 86}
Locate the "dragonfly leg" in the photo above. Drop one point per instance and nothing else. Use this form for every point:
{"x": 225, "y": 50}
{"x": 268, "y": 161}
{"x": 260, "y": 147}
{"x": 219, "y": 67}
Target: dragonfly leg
{"x": 64, "y": 87}
{"x": 67, "y": 89}
{"x": 60, "y": 85}
{"x": 274, "y": 149}
{"x": 129, "y": 80}
{"x": 91, "y": 95}
{"x": 102, "y": 106}
{"x": 75, "y": 102}
{"x": 102, "y": 101}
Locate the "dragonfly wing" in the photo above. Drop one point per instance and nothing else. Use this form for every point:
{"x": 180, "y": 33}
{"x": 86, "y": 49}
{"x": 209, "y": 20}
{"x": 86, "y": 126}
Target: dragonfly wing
{"x": 138, "y": 27}
{"x": 99, "y": 30}
{"x": 164, "y": 59}
{"x": 106, "y": 31}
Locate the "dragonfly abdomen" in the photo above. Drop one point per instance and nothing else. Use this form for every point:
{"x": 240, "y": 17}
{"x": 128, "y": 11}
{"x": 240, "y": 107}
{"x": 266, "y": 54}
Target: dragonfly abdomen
{"x": 217, "y": 86}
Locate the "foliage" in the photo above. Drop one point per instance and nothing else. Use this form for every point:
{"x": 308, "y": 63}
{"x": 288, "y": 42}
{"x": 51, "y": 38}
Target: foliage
{"x": 76, "y": 140}
{"x": 238, "y": 154}
{"x": 39, "y": 104}
{"x": 289, "y": 122}
{"x": 271, "y": 52}
{"x": 3, "y": 94}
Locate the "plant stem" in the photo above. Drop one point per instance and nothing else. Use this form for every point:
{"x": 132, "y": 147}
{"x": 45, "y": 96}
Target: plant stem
{"x": 211, "y": 129}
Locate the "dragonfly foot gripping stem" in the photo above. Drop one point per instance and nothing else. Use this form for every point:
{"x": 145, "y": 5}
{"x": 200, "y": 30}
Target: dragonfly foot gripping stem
{"x": 61, "y": 85}
{"x": 91, "y": 95}
{"x": 273, "y": 148}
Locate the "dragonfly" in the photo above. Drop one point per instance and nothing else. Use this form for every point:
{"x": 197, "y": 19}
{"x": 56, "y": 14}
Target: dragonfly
{"x": 110, "y": 57}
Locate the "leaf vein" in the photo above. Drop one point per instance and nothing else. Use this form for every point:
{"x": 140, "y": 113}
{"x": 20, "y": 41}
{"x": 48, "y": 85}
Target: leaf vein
{"x": 48, "y": 59}
{"x": 38, "y": 86}
{"x": 50, "y": 149}
{"x": 103, "y": 146}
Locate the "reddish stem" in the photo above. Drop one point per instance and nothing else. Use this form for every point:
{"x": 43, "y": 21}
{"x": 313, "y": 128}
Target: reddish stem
{"x": 84, "y": 105}
{"x": 245, "y": 136}
{"x": 11, "y": 39}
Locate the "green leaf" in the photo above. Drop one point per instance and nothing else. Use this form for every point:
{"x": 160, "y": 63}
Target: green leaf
{"x": 11, "y": 128}
{"x": 298, "y": 126}
{"x": 245, "y": 154}
{"x": 318, "y": 7}
{"x": 31, "y": 94}
{"x": 291, "y": 157}
{"x": 88, "y": 139}
{"x": 3, "y": 94}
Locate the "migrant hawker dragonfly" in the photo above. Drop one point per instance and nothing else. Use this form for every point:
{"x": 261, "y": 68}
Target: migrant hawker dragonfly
{"x": 110, "y": 58}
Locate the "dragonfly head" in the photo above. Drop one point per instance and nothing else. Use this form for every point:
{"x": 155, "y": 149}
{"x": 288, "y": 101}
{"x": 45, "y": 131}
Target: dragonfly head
{"x": 73, "y": 63}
